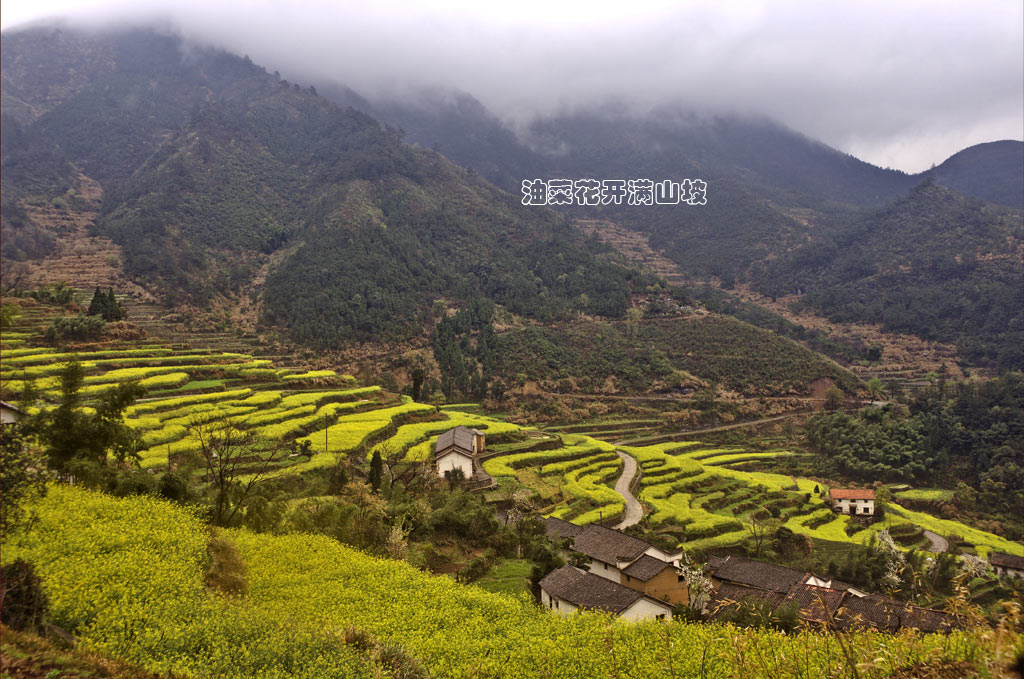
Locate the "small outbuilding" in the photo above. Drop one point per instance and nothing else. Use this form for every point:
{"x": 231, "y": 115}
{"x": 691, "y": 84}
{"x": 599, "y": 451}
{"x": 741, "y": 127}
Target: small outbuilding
{"x": 10, "y": 413}
{"x": 459, "y": 448}
{"x": 1007, "y": 565}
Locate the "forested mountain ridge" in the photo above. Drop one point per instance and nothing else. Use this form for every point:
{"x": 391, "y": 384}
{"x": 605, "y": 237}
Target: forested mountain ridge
{"x": 778, "y": 161}
{"x": 785, "y": 214}
{"x": 217, "y": 173}
{"x": 931, "y": 263}
{"x": 992, "y": 172}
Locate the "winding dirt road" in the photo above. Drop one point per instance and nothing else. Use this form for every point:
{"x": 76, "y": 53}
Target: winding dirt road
{"x": 939, "y": 543}
{"x": 634, "y": 510}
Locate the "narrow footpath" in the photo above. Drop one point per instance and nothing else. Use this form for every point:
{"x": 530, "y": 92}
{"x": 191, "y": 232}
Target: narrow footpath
{"x": 634, "y": 510}
{"x": 658, "y": 438}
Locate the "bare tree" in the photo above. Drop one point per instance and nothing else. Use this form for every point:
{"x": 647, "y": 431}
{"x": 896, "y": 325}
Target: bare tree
{"x": 14, "y": 276}
{"x": 236, "y": 462}
{"x": 760, "y": 530}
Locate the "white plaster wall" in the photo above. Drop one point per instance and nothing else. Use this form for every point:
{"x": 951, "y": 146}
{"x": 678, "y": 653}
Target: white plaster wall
{"x": 646, "y": 609}
{"x": 664, "y": 556}
{"x": 455, "y": 461}
{"x": 563, "y": 607}
{"x": 606, "y": 571}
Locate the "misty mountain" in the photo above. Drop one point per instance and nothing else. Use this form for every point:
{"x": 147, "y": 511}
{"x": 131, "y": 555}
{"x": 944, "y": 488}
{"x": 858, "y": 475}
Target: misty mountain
{"x": 222, "y": 181}
{"x": 785, "y": 213}
{"x": 779, "y": 163}
{"x": 218, "y": 175}
{"x": 992, "y": 172}
{"x": 931, "y": 263}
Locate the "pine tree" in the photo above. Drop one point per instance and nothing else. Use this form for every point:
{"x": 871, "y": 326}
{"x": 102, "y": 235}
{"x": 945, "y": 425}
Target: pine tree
{"x": 376, "y": 470}
{"x": 98, "y": 303}
{"x": 113, "y": 310}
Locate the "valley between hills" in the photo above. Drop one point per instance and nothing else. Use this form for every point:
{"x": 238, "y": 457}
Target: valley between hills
{"x": 295, "y": 385}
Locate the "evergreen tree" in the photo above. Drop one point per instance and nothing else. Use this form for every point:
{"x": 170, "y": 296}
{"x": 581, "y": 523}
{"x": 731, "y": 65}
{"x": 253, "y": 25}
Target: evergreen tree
{"x": 98, "y": 304}
{"x": 112, "y": 309}
{"x": 418, "y": 375}
{"x": 376, "y": 470}
{"x": 76, "y": 442}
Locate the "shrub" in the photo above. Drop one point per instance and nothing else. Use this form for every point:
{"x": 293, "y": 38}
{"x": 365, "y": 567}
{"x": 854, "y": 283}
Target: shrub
{"x": 24, "y": 604}
{"x": 226, "y": 572}
{"x": 74, "y": 328}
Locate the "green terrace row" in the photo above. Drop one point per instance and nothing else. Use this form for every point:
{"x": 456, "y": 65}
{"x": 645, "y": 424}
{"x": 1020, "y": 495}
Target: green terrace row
{"x": 698, "y": 489}
{"x": 581, "y": 473}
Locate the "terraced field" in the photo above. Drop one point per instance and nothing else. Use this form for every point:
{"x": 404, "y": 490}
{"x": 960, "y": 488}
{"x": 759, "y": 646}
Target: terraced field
{"x": 191, "y": 391}
{"x": 574, "y": 477}
{"x": 702, "y": 495}
{"x": 702, "y": 491}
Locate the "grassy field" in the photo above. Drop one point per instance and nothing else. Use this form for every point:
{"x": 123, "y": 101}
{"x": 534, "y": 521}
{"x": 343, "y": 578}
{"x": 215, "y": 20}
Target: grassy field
{"x": 508, "y": 576}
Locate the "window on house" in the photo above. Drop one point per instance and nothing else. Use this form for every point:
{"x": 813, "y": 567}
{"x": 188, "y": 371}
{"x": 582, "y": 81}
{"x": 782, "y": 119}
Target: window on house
{"x": 660, "y": 617}
{"x": 682, "y": 578}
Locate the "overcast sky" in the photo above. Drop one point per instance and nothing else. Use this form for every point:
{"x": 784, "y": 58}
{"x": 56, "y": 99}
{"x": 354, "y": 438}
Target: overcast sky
{"x": 900, "y": 84}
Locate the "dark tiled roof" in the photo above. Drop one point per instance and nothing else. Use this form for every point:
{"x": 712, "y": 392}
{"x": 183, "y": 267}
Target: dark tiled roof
{"x": 607, "y": 545}
{"x": 728, "y": 597}
{"x": 887, "y": 614}
{"x": 818, "y": 604}
{"x": 589, "y": 591}
{"x": 879, "y": 612}
{"x": 646, "y": 567}
{"x": 459, "y": 437}
{"x": 928, "y": 619}
{"x": 839, "y": 584}
{"x": 758, "y": 574}
{"x": 1006, "y": 560}
{"x": 560, "y": 529}
{"x": 714, "y": 563}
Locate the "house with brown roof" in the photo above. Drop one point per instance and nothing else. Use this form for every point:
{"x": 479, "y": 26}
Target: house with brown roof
{"x": 657, "y": 579}
{"x": 855, "y": 501}
{"x": 624, "y": 559}
{"x": 459, "y": 448}
{"x": 569, "y": 589}
{"x": 1007, "y": 565}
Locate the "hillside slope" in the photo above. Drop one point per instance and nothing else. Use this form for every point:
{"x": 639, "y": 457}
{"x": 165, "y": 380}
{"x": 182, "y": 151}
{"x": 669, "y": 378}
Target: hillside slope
{"x": 335, "y": 603}
{"x": 218, "y": 178}
{"x": 993, "y": 172}
{"x": 779, "y": 205}
{"x": 931, "y": 263}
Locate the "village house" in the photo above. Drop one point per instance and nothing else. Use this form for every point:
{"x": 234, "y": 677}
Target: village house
{"x": 459, "y": 448}
{"x": 624, "y": 559}
{"x": 569, "y": 589}
{"x": 820, "y": 602}
{"x": 855, "y": 501}
{"x": 9, "y": 413}
{"x": 1007, "y": 565}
